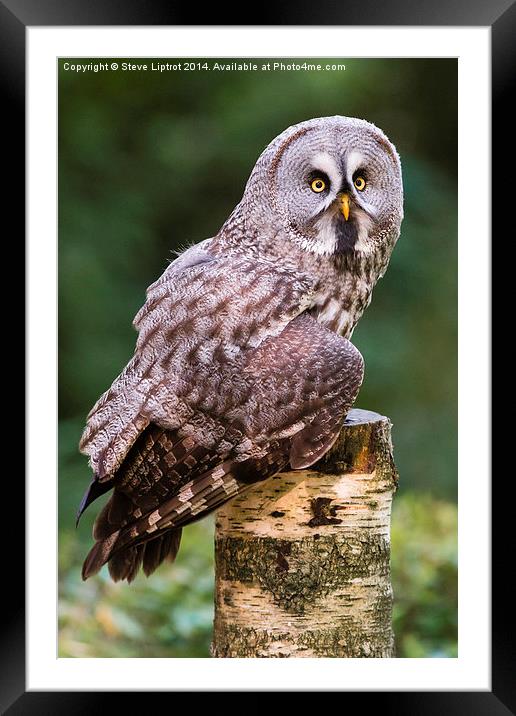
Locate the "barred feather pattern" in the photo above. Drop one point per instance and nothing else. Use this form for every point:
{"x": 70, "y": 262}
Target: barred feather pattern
{"x": 194, "y": 331}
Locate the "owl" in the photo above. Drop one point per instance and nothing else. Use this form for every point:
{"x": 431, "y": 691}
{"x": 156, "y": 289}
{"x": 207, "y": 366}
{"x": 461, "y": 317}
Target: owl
{"x": 243, "y": 365}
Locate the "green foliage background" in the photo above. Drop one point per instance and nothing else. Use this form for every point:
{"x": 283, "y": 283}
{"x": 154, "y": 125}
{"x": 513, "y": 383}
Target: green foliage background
{"x": 150, "y": 162}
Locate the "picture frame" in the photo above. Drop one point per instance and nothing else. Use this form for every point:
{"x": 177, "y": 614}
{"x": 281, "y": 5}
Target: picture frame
{"x": 15, "y": 18}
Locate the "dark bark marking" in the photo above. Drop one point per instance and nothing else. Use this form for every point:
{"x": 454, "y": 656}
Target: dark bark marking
{"x": 283, "y": 549}
{"x": 323, "y": 512}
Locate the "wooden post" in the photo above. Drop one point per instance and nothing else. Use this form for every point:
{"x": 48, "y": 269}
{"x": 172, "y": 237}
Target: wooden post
{"x": 303, "y": 559}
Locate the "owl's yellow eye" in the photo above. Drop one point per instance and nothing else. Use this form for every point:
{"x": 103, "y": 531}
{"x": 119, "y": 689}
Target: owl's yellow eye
{"x": 359, "y": 183}
{"x": 318, "y": 185}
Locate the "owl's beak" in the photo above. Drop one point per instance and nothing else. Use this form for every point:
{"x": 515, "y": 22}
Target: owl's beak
{"x": 344, "y": 205}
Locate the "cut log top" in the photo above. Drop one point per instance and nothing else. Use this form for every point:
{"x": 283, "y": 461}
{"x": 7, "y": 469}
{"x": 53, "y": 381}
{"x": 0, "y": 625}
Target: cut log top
{"x": 302, "y": 559}
{"x": 365, "y": 437}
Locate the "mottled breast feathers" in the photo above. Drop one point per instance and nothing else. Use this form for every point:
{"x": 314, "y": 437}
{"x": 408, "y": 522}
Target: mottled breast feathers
{"x": 231, "y": 381}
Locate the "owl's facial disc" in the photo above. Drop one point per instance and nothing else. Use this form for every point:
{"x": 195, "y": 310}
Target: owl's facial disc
{"x": 327, "y": 213}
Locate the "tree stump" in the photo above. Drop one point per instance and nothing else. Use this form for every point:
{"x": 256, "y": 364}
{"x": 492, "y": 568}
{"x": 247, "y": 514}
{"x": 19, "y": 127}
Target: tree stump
{"x": 302, "y": 560}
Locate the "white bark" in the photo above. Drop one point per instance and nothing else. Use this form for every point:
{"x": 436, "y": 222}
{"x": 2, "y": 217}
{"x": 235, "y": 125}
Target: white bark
{"x": 303, "y": 559}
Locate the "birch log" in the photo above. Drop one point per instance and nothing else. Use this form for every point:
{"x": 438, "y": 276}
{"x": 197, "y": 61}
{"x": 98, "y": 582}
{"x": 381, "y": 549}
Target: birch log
{"x": 303, "y": 559}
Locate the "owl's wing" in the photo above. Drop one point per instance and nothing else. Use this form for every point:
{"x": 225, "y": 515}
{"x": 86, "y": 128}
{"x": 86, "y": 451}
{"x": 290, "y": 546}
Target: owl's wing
{"x": 286, "y": 405}
{"x": 200, "y": 320}
{"x": 304, "y": 381}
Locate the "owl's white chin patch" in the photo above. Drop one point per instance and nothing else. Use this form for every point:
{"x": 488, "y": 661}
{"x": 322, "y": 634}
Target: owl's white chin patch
{"x": 326, "y": 241}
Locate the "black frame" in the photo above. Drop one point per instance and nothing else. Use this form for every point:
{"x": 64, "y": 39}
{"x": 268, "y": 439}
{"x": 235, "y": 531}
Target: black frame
{"x": 15, "y": 16}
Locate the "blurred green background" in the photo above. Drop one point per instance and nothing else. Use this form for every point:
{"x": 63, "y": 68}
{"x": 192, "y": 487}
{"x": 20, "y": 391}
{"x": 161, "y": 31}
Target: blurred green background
{"x": 150, "y": 162}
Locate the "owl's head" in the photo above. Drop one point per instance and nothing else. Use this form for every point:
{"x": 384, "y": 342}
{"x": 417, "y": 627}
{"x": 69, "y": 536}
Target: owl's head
{"x": 333, "y": 184}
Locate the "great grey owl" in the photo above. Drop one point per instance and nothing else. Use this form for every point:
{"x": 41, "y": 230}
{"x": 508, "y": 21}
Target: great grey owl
{"x": 243, "y": 365}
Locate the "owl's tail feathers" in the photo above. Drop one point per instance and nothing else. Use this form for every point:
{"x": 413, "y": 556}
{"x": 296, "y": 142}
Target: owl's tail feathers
{"x": 125, "y": 563}
{"x": 99, "y": 555}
